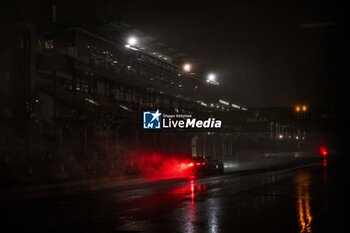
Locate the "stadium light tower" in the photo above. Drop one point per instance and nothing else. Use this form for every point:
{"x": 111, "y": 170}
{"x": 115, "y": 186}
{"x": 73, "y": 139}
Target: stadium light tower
{"x": 212, "y": 79}
{"x": 187, "y": 67}
{"x": 132, "y": 41}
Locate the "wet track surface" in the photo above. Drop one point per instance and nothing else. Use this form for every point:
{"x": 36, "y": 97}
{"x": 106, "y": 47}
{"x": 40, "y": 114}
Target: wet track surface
{"x": 305, "y": 199}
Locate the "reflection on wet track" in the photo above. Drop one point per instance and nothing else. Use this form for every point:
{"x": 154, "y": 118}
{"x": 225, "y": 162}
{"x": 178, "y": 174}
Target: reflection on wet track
{"x": 304, "y": 208}
{"x": 265, "y": 201}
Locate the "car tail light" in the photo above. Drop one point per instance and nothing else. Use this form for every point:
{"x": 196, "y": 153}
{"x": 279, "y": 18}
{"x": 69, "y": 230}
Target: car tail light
{"x": 200, "y": 163}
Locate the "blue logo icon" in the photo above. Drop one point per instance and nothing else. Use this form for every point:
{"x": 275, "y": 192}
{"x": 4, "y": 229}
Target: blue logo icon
{"x": 152, "y": 119}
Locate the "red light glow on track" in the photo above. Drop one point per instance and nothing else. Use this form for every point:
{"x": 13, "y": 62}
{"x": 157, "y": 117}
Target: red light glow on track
{"x": 192, "y": 191}
{"x": 324, "y": 164}
{"x": 157, "y": 166}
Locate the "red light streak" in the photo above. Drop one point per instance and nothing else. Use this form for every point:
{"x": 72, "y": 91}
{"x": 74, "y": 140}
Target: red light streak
{"x": 324, "y": 164}
{"x": 192, "y": 191}
{"x": 159, "y": 166}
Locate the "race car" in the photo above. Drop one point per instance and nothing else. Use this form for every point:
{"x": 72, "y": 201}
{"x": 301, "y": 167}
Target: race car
{"x": 207, "y": 165}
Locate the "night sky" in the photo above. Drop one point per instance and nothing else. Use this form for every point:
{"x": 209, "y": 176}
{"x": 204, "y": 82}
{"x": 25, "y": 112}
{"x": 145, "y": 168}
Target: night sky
{"x": 266, "y": 53}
